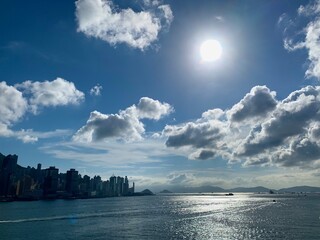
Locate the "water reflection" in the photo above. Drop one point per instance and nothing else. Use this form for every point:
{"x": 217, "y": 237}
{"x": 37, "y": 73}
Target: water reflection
{"x": 242, "y": 216}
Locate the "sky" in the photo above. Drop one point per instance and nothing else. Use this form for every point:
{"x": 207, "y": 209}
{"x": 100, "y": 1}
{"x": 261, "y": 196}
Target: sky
{"x": 132, "y": 87}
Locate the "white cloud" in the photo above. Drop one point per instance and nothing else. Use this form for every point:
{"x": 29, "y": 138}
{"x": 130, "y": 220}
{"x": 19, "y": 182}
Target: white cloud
{"x": 28, "y": 139}
{"x": 178, "y": 179}
{"x": 31, "y": 136}
{"x": 152, "y": 109}
{"x": 5, "y": 131}
{"x": 112, "y": 154}
{"x": 283, "y": 133}
{"x": 310, "y": 33}
{"x": 16, "y": 101}
{"x": 58, "y": 92}
{"x": 12, "y": 104}
{"x": 101, "y": 19}
{"x": 101, "y": 126}
{"x": 149, "y": 3}
{"x": 125, "y": 125}
{"x": 96, "y": 90}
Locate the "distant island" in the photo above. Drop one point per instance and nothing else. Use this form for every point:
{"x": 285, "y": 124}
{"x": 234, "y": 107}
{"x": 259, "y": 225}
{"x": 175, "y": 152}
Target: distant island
{"x": 165, "y": 191}
{"x": 145, "y": 192}
{"x": 259, "y": 189}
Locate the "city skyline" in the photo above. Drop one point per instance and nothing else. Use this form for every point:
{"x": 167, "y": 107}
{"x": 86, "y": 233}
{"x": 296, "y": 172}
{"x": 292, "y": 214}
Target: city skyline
{"x": 30, "y": 183}
{"x": 171, "y": 93}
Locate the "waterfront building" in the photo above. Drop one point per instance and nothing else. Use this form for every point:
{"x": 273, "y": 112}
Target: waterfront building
{"x": 7, "y": 177}
{"x": 131, "y": 190}
{"x": 84, "y": 185}
{"x": 113, "y": 185}
{"x": 126, "y": 186}
{"x": 17, "y": 182}
{"x": 120, "y": 183}
{"x": 72, "y": 182}
{"x": 39, "y": 177}
{"x": 24, "y": 185}
{"x": 50, "y": 185}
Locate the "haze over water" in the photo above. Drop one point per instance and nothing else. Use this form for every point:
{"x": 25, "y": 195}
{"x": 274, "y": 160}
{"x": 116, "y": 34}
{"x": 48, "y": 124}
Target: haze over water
{"x": 188, "y": 216}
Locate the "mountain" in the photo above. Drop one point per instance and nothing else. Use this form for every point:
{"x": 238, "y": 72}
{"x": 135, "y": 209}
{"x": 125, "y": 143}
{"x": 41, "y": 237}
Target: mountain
{"x": 300, "y": 189}
{"x": 147, "y": 192}
{"x": 251, "y": 189}
{"x": 261, "y": 189}
{"x": 201, "y": 189}
{"x": 165, "y": 191}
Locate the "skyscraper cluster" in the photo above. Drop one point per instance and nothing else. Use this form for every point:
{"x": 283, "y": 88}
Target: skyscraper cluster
{"x": 20, "y": 183}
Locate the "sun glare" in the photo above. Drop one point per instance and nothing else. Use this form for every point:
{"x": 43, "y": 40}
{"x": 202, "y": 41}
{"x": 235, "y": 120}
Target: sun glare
{"x": 210, "y": 50}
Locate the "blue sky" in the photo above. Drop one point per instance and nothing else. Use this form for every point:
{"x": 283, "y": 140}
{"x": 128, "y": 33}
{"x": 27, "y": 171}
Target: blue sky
{"x": 121, "y": 87}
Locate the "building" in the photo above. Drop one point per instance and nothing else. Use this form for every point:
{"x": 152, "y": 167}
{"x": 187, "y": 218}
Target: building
{"x": 28, "y": 183}
{"x": 113, "y": 185}
{"x": 50, "y": 185}
{"x": 120, "y": 183}
{"x": 72, "y": 182}
{"x": 126, "y": 186}
{"x": 7, "y": 175}
{"x": 24, "y": 185}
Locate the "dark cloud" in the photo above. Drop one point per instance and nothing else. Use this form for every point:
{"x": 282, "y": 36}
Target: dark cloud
{"x": 292, "y": 117}
{"x": 197, "y": 135}
{"x": 314, "y": 131}
{"x": 206, "y": 154}
{"x": 301, "y": 153}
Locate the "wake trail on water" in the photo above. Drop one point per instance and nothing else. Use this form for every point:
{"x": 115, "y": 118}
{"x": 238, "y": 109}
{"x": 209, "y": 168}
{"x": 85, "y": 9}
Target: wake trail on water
{"x": 53, "y": 218}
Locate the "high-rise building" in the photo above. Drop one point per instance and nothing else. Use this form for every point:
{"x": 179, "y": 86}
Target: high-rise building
{"x": 85, "y": 185}
{"x": 38, "y": 174}
{"x": 72, "y": 182}
{"x": 50, "y": 185}
{"x": 7, "y": 170}
{"x": 113, "y": 185}
{"x": 120, "y": 182}
{"x": 24, "y": 185}
{"x": 126, "y": 186}
{"x": 131, "y": 190}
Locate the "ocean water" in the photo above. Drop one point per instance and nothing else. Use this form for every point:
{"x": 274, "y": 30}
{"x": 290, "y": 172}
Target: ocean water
{"x": 188, "y": 216}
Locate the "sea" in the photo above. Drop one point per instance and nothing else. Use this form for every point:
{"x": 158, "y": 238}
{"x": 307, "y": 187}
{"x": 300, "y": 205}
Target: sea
{"x": 169, "y": 216}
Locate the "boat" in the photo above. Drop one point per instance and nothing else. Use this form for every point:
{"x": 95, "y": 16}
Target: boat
{"x": 229, "y": 194}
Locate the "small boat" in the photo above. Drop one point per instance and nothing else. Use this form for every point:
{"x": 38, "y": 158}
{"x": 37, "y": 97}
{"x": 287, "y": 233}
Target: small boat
{"x": 229, "y": 194}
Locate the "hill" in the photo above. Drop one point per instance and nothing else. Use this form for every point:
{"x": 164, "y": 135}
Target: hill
{"x": 165, "y": 191}
{"x": 200, "y": 189}
{"x": 261, "y": 189}
{"x": 251, "y": 189}
{"x": 300, "y": 189}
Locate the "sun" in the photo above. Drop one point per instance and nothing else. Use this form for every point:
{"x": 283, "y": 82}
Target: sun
{"x": 210, "y": 50}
